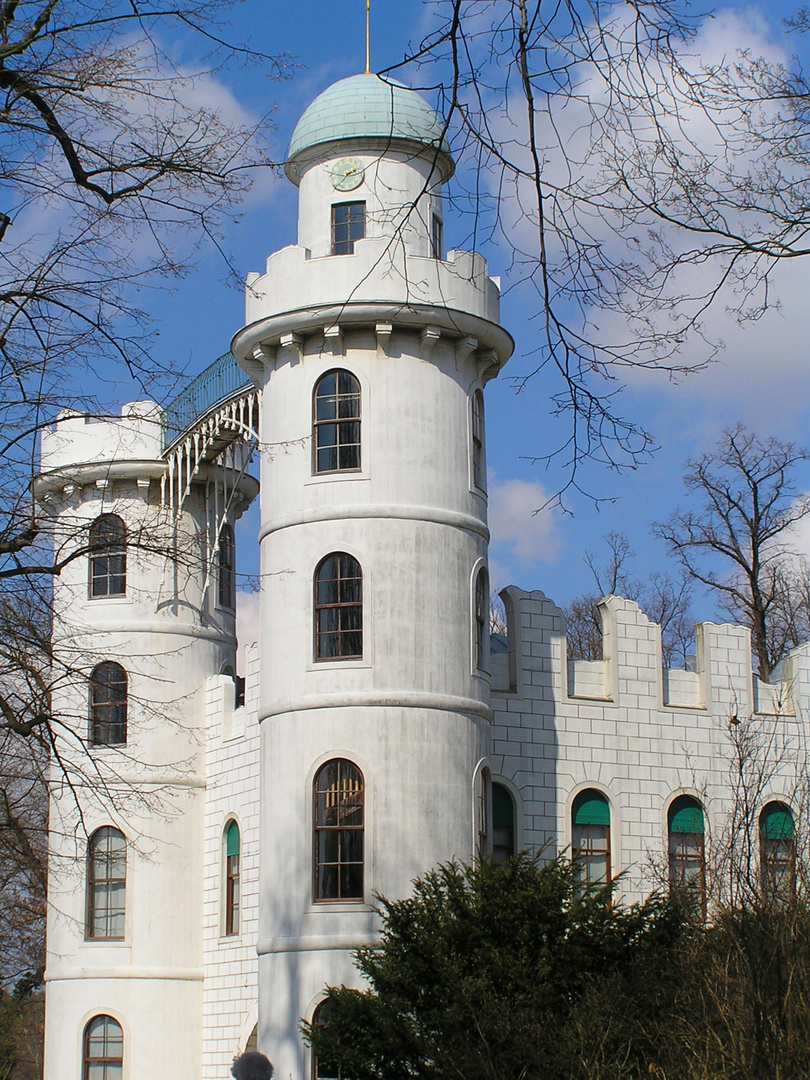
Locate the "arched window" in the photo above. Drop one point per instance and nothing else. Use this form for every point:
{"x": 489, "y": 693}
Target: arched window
{"x": 687, "y": 864}
{"x": 103, "y": 1049}
{"x": 336, "y": 423}
{"x": 227, "y": 568}
{"x": 231, "y": 838}
{"x": 777, "y": 850}
{"x": 108, "y": 556}
{"x": 478, "y": 470}
{"x": 320, "y": 1018}
{"x": 481, "y": 627}
{"x": 338, "y": 840}
{"x": 591, "y": 837}
{"x": 108, "y": 705}
{"x": 106, "y": 884}
{"x": 503, "y": 824}
{"x": 338, "y": 608}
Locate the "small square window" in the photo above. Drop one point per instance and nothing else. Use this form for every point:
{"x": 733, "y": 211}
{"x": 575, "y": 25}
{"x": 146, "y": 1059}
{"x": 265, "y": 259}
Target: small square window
{"x": 348, "y": 225}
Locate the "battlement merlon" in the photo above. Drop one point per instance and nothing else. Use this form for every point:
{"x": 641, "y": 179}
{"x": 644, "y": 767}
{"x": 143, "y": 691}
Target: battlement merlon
{"x": 79, "y": 439}
{"x": 630, "y": 673}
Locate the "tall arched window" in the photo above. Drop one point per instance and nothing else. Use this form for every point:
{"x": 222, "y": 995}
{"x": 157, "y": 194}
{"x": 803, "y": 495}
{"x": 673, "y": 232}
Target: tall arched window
{"x": 227, "y": 568}
{"x": 591, "y": 837}
{"x": 338, "y": 816}
{"x": 503, "y": 824}
{"x": 336, "y": 423}
{"x": 103, "y": 1049}
{"x": 338, "y": 608}
{"x": 481, "y": 627}
{"x": 108, "y": 705}
{"x": 687, "y": 864}
{"x": 108, "y": 557}
{"x": 232, "y": 856}
{"x": 478, "y": 469}
{"x": 106, "y": 884}
{"x": 320, "y": 1018}
{"x": 777, "y": 850}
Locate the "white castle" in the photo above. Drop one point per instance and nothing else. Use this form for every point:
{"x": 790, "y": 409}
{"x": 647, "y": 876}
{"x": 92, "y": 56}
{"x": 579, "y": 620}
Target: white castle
{"x": 217, "y": 842}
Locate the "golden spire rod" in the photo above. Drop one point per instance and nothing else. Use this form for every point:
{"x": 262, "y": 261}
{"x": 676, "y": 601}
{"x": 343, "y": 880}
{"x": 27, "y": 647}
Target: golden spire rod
{"x": 368, "y": 36}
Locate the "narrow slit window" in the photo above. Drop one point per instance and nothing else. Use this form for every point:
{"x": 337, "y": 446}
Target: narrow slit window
{"x": 478, "y": 469}
{"x": 437, "y": 237}
{"x": 336, "y": 423}
{"x": 227, "y": 568}
{"x": 481, "y": 628}
{"x": 348, "y": 226}
{"x": 338, "y": 813}
{"x": 232, "y": 879}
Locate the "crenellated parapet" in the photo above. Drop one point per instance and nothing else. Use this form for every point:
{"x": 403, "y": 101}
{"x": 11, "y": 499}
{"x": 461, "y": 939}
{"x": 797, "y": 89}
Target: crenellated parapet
{"x": 719, "y": 681}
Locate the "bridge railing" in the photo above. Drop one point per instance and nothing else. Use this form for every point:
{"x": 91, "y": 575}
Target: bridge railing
{"x": 218, "y": 382}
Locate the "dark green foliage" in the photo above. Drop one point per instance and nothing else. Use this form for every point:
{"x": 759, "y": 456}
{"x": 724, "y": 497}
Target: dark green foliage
{"x": 482, "y": 973}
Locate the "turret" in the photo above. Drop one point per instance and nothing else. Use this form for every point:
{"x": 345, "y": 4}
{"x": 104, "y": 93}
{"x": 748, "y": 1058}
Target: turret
{"x": 372, "y": 349}
{"x": 141, "y": 617}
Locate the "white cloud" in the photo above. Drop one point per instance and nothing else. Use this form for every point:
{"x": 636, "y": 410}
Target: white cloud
{"x": 247, "y": 625}
{"x": 519, "y": 527}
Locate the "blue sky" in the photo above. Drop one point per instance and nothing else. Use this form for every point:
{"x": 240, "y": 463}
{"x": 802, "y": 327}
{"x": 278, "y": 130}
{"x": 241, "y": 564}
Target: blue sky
{"x": 762, "y": 377}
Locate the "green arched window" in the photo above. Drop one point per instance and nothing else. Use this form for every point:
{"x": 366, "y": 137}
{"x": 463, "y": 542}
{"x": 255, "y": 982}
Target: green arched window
{"x": 503, "y": 823}
{"x": 232, "y": 856}
{"x": 777, "y": 850}
{"x": 687, "y": 863}
{"x": 590, "y": 836}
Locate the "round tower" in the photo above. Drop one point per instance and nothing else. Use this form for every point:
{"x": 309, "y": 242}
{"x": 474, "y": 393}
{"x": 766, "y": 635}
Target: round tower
{"x": 143, "y": 614}
{"x": 372, "y": 346}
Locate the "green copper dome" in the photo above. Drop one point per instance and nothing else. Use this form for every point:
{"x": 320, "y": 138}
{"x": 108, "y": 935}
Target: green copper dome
{"x": 368, "y": 107}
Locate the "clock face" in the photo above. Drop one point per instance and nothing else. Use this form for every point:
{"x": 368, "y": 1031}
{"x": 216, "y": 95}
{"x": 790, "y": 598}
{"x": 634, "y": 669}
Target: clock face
{"x": 347, "y": 174}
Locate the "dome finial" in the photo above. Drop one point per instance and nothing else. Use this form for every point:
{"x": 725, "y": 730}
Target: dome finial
{"x": 368, "y": 37}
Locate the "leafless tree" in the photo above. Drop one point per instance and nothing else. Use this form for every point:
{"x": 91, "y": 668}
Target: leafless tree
{"x": 735, "y": 539}
{"x": 665, "y": 600}
{"x": 633, "y": 183}
{"x": 117, "y": 163}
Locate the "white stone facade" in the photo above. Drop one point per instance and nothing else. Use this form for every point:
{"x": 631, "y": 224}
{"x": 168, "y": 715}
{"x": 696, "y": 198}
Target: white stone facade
{"x": 427, "y": 714}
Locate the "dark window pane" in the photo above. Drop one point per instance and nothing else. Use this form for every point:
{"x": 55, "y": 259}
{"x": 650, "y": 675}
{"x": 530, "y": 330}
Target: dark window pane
{"x": 326, "y": 460}
{"x": 351, "y": 882}
{"x": 327, "y": 436}
{"x": 328, "y": 384}
{"x": 328, "y": 845}
{"x": 348, "y": 406}
{"x": 349, "y": 457}
{"x": 327, "y": 882}
{"x": 351, "y": 847}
